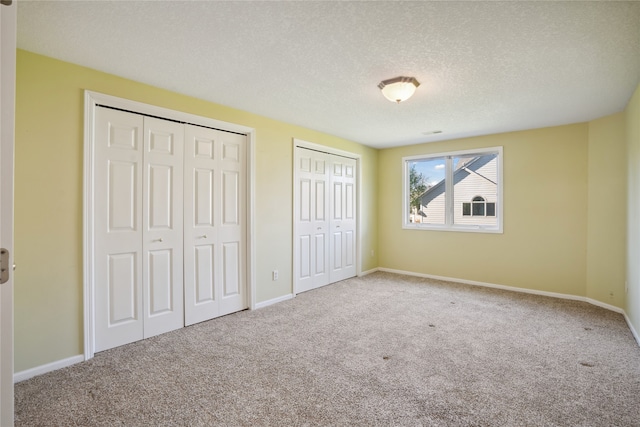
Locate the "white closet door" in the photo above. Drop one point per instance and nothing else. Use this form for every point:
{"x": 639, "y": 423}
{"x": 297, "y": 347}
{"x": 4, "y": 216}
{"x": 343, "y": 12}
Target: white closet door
{"x": 215, "y": 225}
{"x": 162, "y": 226}
{"x": 138, "y": 227}
{"x": 118, "y": 228}
{"x": 232, "y": 232}
{"x": 343, "y": 219}
{"x": 311, "y": 211}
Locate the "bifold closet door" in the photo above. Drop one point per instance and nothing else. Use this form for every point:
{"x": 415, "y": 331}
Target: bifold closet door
{"x": 215, "y": 224}
{"x": 343, "y": 219}
{"x": 162, "y": 210}
{"x": 137, "y": 227}
{"x": 311, "y": 213}
{"x": 325, "y": 216}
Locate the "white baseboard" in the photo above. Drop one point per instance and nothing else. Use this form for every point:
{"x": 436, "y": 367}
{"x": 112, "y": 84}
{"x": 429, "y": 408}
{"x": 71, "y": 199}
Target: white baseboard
{"x": 39, "y": 370}
{"x": 523, "y": 290}
{"x": 486, "y": 285}
{"x": 366, "y": 273}
{"x": 604, "y": 305}
{"x": 633, "y": 330}
{"x": 273, "y": 301}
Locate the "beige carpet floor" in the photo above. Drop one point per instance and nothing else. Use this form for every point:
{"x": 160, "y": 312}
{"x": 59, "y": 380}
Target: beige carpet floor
{"x": 381, "y": 350}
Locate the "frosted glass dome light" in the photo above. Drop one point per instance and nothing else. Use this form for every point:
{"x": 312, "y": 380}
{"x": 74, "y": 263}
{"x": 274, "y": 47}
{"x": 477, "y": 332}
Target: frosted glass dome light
{"x": 398, "y": 89}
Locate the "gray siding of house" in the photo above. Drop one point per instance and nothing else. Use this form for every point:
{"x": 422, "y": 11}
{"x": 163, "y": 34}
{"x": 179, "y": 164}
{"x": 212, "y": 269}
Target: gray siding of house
{"x": 478, "y": 180}
{"x": 474, "y": 185}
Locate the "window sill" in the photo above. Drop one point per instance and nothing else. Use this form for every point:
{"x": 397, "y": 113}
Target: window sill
{"x": 457, "y": 228}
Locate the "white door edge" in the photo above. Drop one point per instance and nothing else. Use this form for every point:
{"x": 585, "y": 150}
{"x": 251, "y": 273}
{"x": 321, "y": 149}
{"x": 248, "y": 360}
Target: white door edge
{"x": 8, "y": 18}
{"x": 299, "y": 143}
{"x": 92, "y": 101}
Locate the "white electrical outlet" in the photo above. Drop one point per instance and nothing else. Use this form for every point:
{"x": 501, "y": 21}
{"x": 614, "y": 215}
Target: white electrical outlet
{"x": 274, "y": 274}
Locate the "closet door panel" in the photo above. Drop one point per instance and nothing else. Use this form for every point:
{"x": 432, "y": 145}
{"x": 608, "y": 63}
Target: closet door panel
{"x": 231, "y": 270}
{"x": 230, "y": 201}
{"x": 202, "y": 214}
{"x": 160, "y": 197}
{"x": 204, "y": 256}
{"x": 305, "y": 250}
{"x": 121, "y": 196}
{"x": 311, "y": 245}
{"x": 203, "y": 185}
{"x": 162, "y": 226}
{"x": 122, "y": 292}
{"x": 320, "y": 261}
{"x": 343, "y": 219}
{"x": 214, "y": 231}
{"x": 232, "y": 231}
{"x": 160, "y": 294}
{"x": 118, "y": 228}
{"x": 304, "y": 260}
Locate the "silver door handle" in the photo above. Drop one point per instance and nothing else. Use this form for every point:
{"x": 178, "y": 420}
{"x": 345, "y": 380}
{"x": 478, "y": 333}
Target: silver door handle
{"x": 204, "y": 236}
{"x": 158, "y": 240}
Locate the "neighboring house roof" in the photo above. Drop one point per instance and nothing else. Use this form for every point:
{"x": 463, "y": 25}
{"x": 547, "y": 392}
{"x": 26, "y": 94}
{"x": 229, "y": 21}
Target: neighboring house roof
{"x": 465, "y": 167}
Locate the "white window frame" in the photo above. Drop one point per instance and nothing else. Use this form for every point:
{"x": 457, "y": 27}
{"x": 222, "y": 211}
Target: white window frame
{"x": 449, "y": 206}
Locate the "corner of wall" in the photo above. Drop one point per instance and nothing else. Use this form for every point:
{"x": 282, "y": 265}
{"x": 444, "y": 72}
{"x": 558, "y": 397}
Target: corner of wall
{"x": 632, "y": 122}
{"x": 606, "y": 211}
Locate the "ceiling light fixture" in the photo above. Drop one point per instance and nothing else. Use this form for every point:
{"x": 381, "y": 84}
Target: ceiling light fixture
{"x": 398, "y": 89}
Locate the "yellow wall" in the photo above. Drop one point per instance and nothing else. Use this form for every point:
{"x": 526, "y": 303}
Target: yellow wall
{"x": 632, "y": 119}
{"x": 544, "y": 243}
{"x": 607, "y": 215}
{"x": 564, "y": 207}
{"x": 48, "y": 205}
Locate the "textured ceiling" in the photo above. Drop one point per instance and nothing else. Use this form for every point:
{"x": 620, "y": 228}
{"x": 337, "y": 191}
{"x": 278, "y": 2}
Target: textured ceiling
{"x": 484, "y": 67}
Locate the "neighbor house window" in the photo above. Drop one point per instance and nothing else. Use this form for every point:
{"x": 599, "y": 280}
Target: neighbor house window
{"x": 459, "y": 191}
{"x": 479, "y": 207}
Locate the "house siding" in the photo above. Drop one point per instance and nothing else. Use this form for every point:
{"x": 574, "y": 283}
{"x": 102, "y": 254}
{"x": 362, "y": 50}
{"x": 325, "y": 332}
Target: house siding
{"x": 478, "y": 180}
{"x": 472, "y": 185}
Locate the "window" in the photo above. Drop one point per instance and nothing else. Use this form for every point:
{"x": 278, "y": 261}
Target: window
{"x": 479, "y": 207}
{"x": 460, "y": 191}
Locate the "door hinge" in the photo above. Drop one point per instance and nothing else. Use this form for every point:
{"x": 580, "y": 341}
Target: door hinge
{"x": 4, "y": 266}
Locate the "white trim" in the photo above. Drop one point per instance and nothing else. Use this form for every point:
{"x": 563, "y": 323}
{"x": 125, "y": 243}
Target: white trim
{"x": 603, "y": 305}
{"x": 92, "y": 100}
{"x": 324, "y": 149}
{"x": 87, "y": 215}
{"x": 368, "y": 272}
{"x": 273, "y": 301}
{"x": 49, "y": 367}
{"x": 359, "y": 211}
{"x": 39, "y": 370}
{"x": 633, "y": 330}
{"x": 522, "y": 290}
{"x": 251, "y": 226}
{"x": 486, "y": 285}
